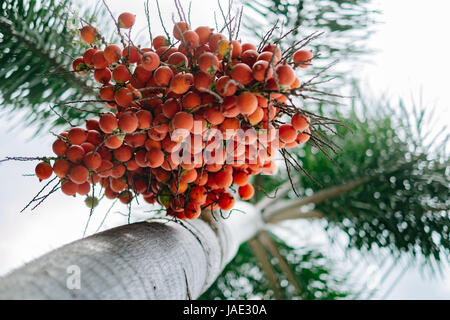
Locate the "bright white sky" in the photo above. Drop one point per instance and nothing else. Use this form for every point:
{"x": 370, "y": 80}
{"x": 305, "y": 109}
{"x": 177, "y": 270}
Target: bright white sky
{"x": 412, "y": 55}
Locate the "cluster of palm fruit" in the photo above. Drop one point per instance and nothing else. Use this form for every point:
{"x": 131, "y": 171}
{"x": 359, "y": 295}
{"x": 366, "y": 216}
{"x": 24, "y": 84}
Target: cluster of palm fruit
{"x": 185, "y": 122}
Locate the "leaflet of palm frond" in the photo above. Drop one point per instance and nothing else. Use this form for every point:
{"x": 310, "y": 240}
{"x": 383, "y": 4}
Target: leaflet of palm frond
{"x": 244, "y": 279}
{"x": 37, "y": 43}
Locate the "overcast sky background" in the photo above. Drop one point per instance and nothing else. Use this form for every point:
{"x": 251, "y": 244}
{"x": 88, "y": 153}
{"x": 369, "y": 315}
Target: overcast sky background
{"x": 411, "y": 60}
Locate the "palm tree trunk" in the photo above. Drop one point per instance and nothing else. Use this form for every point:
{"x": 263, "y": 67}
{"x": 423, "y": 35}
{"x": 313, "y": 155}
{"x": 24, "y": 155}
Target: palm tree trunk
{"x": 146, "y": 260}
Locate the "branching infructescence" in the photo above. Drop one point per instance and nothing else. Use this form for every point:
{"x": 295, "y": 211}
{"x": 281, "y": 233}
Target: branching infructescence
{"x": 185, "y": 120}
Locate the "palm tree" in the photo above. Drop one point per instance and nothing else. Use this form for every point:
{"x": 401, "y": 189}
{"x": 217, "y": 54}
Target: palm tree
{"x": 384, "y": 190}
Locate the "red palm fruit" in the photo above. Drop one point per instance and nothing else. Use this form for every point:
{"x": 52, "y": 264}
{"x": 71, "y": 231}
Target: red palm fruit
{"x": 125, "y": 197}
{"x": 109, "y": 193}
{"x": 223, "y": 179}
{"x": 105, "y": 153}
{"x": 141, "y": 75}
{"x": 69, "y": 188}
{"x": 131, "y": 54}
{"x": 183, "y": 120}
{"x": 140, "y": 158}
{"x": 177, "y": 187}
{"x": 43, "y": 170}
{"x": 61, "y": 167}
{"x": 202, "y": 177}
{"x": 169, "y": 146}
{"x": 214, "y": 40}
{"x": 191, "y": 100}
{"x": 79, "y": 66}
{"x": 202, "y": 81}
{"x": 242, "y": 73}
{"x": 87, "y": 147}
{"x": 161, "y": 175}
{"x": 88, "y": 34}
{"x": 160, "y": 124}
{"x": 123, "y": 154}
{"x": 113, "y": 142}
{"x": 106, "y": 93}
{"x": 214, "y": 116}
{"x": 303, "y": 58}
{"x": 155, "y": 135}
{"x": 150, "y": 61}
{"x": 237, "y": 49}
{"x": 269, "y": 113}
{"x": 162, "y": 76}
{"x": 164, "y": 52}
{"x": 226, "y": 201}
{"x": 117, "y": 184}
{"x": 197, "y": 194}
{"x": 160, "y": 41}
{"x": 145, "y": 119}
{"x": 189, "y": 176}
{"x": 104, "y": 170}
{"x": 304, "y": 136}
{"x": 102, "y": 76}
{"x": 192, "y": 210}
{"x": 179, "y": 28}
{"x": 300, "y": 122}
{"x": 274, "y": 49}
{"x": 75, "y": 154}
{"x": 99, "y": 61}
{"x": 118, "y": 170}
{"x": 256, "y": 117}
{"x": 92, "y": 160}
{"x": 124, "y": 97}
{"x": 121, "y": 73}
{"x": 135, "y": 140}
{"x": 247, "y": 103}
{"x": 108, "y": 122}
{"x": 203, "y": 33}
{"x": 177, "y": 204}
{"x": 154, "y": 157}
{"x": 240, "y": 178}
{"x": 285, "y": 74}
{"x": 92, "y": 124}
{"x": 170, "y": 108}
{"x": 262, "y": 71}
{"x": 126, "y": 20}
{"x": 181, "y": 83}
{"x": 94, "y": 137}
{"x": 248, "y": 46}
{"x": 112, "y": 53}
{"x": 128, "y": 122}
{"x": 84, "y": 188}
{"x": 287, "y": 133}
{"x": 249, "y": 57}
{"x": 78, "y": 174}
{"x": 59, "y": 147}
{"x": 268, "y": 56}
{"x": 191, "y": 39}
{"x": 231, "y": 125}
{"x": 140, "y": 185}
{"x": 246, "y": 192}
{"x": 132, "y": 165}
{"x": 229, "y": 108}
{"x": 200, "y": 49}
{"x": 208, "y": 63}
{"x": 292, "y": 144}
{"x": 296, "y": 84}
{"x": 225, "y": 86}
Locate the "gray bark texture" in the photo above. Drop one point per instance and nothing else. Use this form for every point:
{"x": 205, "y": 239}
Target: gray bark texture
{"x": 146, "y": 260}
